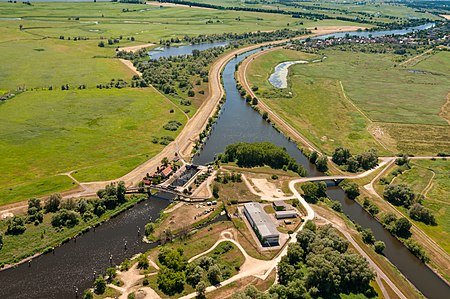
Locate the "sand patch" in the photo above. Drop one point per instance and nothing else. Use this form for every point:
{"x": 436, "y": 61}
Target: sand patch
{"x": 267, "y": 188}
{"x": 447, "y": 17}
{"x": 322, "y": 30}
{"x": 136, "y": 48}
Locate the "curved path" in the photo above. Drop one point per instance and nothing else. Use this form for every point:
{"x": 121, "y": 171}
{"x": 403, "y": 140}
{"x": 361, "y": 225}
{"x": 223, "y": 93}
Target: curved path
{"x": 262, "y": 269}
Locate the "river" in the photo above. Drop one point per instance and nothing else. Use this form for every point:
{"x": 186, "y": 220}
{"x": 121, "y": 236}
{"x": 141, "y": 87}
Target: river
{"x": 73, "y": 264}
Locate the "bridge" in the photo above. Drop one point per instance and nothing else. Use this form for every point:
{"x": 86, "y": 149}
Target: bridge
{"x": 167, "y": 189}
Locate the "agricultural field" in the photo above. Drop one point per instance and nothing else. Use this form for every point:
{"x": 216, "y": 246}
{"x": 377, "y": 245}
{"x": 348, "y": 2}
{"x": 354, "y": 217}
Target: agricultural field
{"x": 377, "y": 10}
{"x": 98, "y": 134}
{"x": 347, "y": 85}
{"x": 431, "y": 179}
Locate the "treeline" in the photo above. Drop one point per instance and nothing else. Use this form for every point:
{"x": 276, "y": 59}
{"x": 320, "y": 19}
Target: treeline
{"x": 247, "y": 37}
{"x": 310, "y": 15}
{"x": 177, "y": 75}
{"x": 296, "y": 14}
{"x": 259, "y": 154}
{"x": 318, "y": 265}
{"x": 365, "y": 161}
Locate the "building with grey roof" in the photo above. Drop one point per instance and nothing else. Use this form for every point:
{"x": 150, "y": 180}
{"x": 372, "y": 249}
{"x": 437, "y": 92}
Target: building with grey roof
{"x": 286, "y": 214}
{"x": 262, "y": 224}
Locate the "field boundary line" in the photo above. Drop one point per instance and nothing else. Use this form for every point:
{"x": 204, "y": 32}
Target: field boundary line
{"x": 353, "y": 104}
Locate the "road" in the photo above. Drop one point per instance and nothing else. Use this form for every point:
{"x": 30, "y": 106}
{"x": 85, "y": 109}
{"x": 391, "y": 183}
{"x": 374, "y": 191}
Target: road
{"x": 262, "y": 269}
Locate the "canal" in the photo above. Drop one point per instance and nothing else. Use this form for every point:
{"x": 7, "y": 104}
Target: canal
{"x": 72, "y": 265}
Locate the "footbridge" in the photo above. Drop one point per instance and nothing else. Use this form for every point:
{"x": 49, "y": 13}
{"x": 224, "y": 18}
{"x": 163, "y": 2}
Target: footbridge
{"x": 148, "y": 189}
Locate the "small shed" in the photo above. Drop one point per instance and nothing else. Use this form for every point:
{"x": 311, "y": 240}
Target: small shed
{"x": 280, "y": 205}
{"x": 286, "y": 214}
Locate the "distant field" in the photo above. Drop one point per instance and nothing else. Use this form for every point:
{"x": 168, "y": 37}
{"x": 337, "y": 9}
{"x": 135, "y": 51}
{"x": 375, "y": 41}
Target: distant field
{"x": 403, "y": 107}
{"x": 437, "y": 196}
{"x": 379, "y": 10}
{"x": 101, "y": 133}
{"x": 44, "y": 62}
{"x": 143, "y": 22}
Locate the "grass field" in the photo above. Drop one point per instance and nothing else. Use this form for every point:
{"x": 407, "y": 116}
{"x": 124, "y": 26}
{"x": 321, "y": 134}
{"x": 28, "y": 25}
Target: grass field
{"x": 437, "y": 195}
{"x": 102, "y": 134}
{"x": 44, "y": 62}
{"x": 144, "y": 22}
{"x": 388, "y": 101}
{"x": 380, "y": 10}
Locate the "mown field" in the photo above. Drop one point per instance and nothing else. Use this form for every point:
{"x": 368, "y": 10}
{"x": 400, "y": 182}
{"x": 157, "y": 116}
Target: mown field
{"x": 399, "y": 107}
{"x": 101, "y": 134}
{"x": 431, "y": 178}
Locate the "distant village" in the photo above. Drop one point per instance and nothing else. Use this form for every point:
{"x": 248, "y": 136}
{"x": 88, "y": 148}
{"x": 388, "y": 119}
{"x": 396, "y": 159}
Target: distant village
{"x": 438, "y": 36}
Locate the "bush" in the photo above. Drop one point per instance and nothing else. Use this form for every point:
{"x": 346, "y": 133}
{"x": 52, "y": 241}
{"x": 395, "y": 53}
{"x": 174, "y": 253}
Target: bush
{"x": 350, "y": 188}
{"x": 420, "y": 213}
{"x": 170, "y": 281}
{"x": 146, "y": 281}
{"x": 125, "y": 265}
{"x": 143, "y": 262}
{"x": 65, "y": 218}
{"x": 399, "y": 195}
{"x": 16, "y": 226}
{"x": 88, "y": 294}
{"x": 149, "y": 229}
{"x": 417, "y": 250}
{"x": 336, "y": 205}
{"x": 172, "y": 125}
{"x": 111, "y": 272}
{"x": 214, "y": 274}
{"x": 52, "y": 204}
{"x": 99, "y": 285}
{"x": 379, "y": 246}
{"x": 367, "y": 236}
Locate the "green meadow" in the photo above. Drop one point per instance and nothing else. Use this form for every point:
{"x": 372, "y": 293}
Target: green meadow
{"x": 100, "y": 134}
{"x": 97, "y": 134}
{"x": 381, "y": 105}
{"x": 431, "y": 178}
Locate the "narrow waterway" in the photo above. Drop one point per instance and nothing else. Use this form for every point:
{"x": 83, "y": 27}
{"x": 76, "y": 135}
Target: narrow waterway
{"x": 183, "y": 50}
{"x": 73, "y": 264}
{"x": 239, "y": 122}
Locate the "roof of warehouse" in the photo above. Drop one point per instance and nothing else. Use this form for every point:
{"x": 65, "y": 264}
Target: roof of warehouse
{"x": 265, "y": 225}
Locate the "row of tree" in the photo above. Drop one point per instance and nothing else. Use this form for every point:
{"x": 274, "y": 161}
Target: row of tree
{"x": 402, "y": 195}
{"x": 364, "y": 161}
{"x": 259, "y": 154}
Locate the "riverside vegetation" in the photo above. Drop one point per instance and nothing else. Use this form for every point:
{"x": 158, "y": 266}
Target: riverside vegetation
{"x": 48, "y": 224}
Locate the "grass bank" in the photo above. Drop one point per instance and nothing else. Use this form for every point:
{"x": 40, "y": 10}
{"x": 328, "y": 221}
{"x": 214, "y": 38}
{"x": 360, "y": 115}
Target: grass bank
{"x": 338, "y": 101}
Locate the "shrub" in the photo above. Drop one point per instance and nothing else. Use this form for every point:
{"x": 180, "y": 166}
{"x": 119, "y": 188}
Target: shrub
{"x": 65, "y": 218}
{"x": 379, "y": 246}
{"x": 420, "y": 213}
{"x": 99, "y": 285}
{"x": 143, "y": 262}
{"x": 16, "y": 226}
